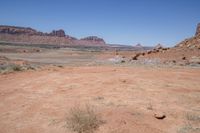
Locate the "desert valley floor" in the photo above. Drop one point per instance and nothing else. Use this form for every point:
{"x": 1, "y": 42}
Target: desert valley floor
{"x": 127, "y": 99}
{"x": 39, "y": 87}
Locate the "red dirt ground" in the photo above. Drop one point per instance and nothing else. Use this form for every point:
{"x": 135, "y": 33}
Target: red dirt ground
{"x": 125, "y": 97}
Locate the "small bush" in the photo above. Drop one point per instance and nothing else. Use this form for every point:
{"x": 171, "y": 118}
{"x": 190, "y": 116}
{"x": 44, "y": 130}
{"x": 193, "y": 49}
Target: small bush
{"x": 188, "y": 129}
{"x": 150, "y": 107}
{"x": 193, "y": 117}
{"x": 123, "y": 61}
{"x": 60, "y": 66}
{"x": 10, "y": 68}
{"x": 16, "y": 68}
{"x": 83, "y": 120}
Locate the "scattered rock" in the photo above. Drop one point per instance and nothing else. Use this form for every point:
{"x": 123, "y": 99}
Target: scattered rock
{"x": 159, "y": 115}
{"x": 25, "y": 51}
{"x": 149, "y": 52}
{"x": 123, "y": 122}
{"x": 136, "y": 56}
{"x": 173, "y": 61}
{"x": 165, "y": 49}
{"x": 37, "y": 50}
{"x": 123, "y": 61}
{"x": 195, "y": 60}
{"x": 123, "y": 81}
{"x": 184, "y": 58}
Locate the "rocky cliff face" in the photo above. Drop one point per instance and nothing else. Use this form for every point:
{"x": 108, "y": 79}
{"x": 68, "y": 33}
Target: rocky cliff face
{"x": 18, "y": 30}
{"x": 58, "y": 33}
{"x": 193, "y": 42}
{"x": 29, "y": 35}
{"x": 186, "y": 52}
{"x": 198, "y": 30}
{"x": 29, "y": 31}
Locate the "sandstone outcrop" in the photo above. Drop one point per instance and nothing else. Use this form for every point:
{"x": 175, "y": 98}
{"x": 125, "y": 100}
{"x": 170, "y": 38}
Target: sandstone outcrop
{"x": 186, "y": 52}
{"x": 198, "y": 30}
{"x": 58, "y": 33}
{"x": 28, "y": 35}
{"x": 18, "y": 30}
{"x": 193, "y": 42}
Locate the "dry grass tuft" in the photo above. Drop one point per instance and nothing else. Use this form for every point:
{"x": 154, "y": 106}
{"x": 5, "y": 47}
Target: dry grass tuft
{"x": 83, "y": 120}
{"x": 11, "y": 68}
{"x": 193, "y": 117}
{"x": 15, "y": 68}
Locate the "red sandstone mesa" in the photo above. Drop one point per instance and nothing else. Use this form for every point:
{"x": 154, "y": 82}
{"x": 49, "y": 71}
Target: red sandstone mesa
{"x": 29, "y": 35}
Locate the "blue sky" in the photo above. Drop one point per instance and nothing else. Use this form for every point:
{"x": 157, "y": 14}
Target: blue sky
{"x": 117, "y": 21}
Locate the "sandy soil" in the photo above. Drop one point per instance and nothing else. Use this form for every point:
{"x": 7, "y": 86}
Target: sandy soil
{"x": 125, "y": 97}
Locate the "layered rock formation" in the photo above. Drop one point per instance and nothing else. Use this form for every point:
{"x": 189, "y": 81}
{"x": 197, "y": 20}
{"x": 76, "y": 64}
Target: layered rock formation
{"x": 32, "y": 36}
{"x": 186, "y": 52}
{"x": 59, "y": 33}
{"x": 18, "y": 30}
{"x": 193, "y": 42}
{"x": 198, "y": 30}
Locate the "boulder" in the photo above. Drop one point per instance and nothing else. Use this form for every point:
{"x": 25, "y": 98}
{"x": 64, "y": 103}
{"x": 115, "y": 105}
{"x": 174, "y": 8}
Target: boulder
{"x": 135, "y": 57}
{"x": 159, "y": 115}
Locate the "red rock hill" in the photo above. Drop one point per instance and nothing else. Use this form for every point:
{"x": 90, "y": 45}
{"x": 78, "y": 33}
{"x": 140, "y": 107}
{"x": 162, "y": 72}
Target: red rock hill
{"x": 31, "y": 36}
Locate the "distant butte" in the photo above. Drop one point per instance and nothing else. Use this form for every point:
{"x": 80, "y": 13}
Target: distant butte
{"x": 158, "y": 46}
{"x": 138, "y": 45}
{"x": 32, "y": 36}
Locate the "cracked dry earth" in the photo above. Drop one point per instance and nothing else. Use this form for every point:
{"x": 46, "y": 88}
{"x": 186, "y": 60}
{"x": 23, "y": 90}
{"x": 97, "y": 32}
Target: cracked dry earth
{"x": 125, "y": 97}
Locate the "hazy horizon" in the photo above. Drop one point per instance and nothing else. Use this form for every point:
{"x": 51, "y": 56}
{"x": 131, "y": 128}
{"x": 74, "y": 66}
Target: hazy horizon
{"x": 119, "y": 22}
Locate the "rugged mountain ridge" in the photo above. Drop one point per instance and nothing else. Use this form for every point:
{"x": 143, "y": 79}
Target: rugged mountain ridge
{"x": 30, "y": 35}
{"x": 193, "y": 42}
{"x": 186, "y": 52}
